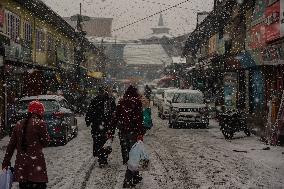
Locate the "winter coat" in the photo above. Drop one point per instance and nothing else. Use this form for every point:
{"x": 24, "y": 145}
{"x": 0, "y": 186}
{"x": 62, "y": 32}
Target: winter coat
{"x": 147, "y": 92}
{"x": 30, "y": 164}
{"x": 129, "y": 116}
{"x": 100, "y": 113}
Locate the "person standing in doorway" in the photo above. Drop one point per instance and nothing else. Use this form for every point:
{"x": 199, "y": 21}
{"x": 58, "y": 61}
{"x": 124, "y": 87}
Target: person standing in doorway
{"x": 129, "y": 121}
{"x": 29, "y": 137}
{"x": 99, "y": 116}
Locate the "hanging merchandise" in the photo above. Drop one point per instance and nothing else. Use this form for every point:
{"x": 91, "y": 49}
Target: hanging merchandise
{"x": 278, "y": 127}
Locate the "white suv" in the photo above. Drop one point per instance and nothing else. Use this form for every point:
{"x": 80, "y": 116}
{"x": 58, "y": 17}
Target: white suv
{"x": 188, "y": 109}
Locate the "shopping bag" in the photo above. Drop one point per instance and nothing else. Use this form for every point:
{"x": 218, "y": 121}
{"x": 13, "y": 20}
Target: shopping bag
{"x": 138, "y": 157}
{"x": 6, "y": 179}
{"x": 147, "y": 118}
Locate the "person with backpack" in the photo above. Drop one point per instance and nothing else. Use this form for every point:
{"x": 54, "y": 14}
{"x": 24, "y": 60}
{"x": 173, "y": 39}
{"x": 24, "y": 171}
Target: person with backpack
{"x": 99, "y": 116}
{"x": 129, "y": 121}
{"x": 29, "y": 137}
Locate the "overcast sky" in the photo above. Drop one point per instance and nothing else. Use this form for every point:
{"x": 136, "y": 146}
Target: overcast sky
{"x": 181, "y": 20}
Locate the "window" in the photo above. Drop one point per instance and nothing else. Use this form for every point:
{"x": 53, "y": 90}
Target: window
{"x": 12, "y": 25}
{"x": 28, "y": 32}
{"x": 50, "y": 43}
{"x": 40, "y": 40}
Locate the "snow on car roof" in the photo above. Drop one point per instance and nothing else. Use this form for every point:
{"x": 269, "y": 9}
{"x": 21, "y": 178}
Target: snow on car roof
{"x": 171, "y": 90}
{"x": 189, "y": 91}
{"x": 43, "y": 97}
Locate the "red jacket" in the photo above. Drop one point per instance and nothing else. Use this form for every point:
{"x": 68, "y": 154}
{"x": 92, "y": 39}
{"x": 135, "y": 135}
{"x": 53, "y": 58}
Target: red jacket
{"x": 30, "y": 164}
{"x": 129, "y": 117}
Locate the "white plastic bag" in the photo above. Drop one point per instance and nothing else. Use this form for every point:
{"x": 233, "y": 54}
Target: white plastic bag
{"x": 6, "y": 179}
{"x": 138, "y": 157}
{"x": 108, "y": 144}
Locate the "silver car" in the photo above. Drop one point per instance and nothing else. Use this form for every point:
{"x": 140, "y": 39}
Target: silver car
{"x": 188, "y": 108}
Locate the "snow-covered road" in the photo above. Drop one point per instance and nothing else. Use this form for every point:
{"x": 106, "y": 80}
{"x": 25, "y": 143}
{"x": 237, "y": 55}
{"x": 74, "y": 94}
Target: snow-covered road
{"x": 180, "y": 159}
{"x": 195, "y": 158}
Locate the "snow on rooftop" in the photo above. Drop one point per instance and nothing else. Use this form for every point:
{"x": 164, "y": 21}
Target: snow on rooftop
{"x": 146, "y": 54}
{"x": 178, "y": 60}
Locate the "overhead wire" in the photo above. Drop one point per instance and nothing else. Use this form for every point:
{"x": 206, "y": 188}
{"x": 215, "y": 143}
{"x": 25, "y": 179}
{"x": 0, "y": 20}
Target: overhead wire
{"x": 152, "y": 15}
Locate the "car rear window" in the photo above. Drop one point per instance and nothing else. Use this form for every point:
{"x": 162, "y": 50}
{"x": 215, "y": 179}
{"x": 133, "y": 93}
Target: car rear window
{"x": 188, "y": 98}
{"x": 50, "y": 105}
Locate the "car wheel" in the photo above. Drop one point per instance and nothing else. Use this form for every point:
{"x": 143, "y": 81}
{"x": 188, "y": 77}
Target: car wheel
{"x": 65, "y": 138}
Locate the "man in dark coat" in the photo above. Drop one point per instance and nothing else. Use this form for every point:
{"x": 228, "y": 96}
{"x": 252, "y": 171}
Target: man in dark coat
{"x": 99, "y": 116}
{"x": 147, "y": 92}
{"x": 129, "y": 121}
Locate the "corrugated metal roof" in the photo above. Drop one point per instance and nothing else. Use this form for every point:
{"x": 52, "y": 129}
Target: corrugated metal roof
{"x": 146, "y": 54}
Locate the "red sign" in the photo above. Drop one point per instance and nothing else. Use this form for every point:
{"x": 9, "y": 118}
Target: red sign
{"x": 257, "y": 36}
{"x": 272, "y": 28}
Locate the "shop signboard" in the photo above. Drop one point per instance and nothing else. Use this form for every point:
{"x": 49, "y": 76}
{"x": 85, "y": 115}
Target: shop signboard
{"x": 213, "y": 44}
{"x": 256, "y": 33}
{"x": 256, "y": 37}
{"x": 259, "y": 10}
{"x": 281, "y": 18}
{"x": 273, "y": 54}
{"x": 230, "y": 90}
{"x": 272, "y": 20}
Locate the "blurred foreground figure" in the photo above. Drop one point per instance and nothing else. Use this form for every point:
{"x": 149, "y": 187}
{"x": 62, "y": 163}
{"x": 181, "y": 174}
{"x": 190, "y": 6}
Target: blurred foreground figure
{"x": 29, "y": 137}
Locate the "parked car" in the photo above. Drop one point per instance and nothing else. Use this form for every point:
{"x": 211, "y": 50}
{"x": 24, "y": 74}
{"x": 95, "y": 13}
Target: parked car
{"x": 164, "y": 105}
{"x": 158, "y": 96}
{"x": 60, "y": 119}
{"x": 188, "y": 108}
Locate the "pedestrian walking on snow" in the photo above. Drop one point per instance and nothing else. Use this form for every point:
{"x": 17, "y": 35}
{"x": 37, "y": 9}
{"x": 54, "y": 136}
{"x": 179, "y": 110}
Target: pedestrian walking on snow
{"x": 147, "y": 92}
{"x": 129, "y": 121}
{"x": 29, "y": 137}
{"x": 99, "y": 116}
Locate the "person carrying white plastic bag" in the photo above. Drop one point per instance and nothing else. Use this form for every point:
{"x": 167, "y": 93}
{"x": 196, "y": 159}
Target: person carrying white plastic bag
{"x": 6, "y": 179}
{"x": 138, "y": 158}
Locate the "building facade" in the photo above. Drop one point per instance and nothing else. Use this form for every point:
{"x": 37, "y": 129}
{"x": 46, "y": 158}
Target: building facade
{"x": 36, "y": 55}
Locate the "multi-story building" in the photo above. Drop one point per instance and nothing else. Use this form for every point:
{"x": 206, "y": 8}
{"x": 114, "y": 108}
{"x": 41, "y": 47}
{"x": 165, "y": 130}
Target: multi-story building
{"x": 94, "y": 26}
{"x": 244, "y": 60}
{"x": 37, "y": 49}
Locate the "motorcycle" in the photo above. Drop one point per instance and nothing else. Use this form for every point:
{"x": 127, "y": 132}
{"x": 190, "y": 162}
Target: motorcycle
{"x": 232, "y": 122}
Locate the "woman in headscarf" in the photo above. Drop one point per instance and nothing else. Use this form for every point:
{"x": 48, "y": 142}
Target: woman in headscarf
{"x": 29, "y": 137}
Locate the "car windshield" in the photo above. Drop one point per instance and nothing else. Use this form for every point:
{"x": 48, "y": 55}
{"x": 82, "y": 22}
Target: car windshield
{"x": 170, "y": 95}
{"x": 188, "y": 98}
{"x": 49, "y": 105}
{"x": 160, "y": 91}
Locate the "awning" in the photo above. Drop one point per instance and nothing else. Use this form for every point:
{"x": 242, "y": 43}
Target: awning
{"x": 96, "y": 75}
{"x": 246, "y": 60}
